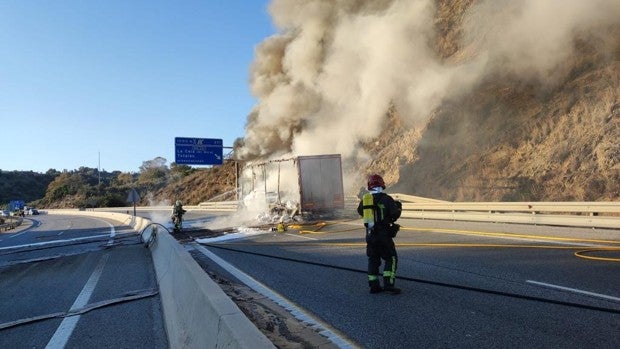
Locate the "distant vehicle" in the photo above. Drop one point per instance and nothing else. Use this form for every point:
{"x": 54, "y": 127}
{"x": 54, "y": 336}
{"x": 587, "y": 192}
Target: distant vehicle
{"x": 4, "y": 213}
{"x": 34, "y": 211}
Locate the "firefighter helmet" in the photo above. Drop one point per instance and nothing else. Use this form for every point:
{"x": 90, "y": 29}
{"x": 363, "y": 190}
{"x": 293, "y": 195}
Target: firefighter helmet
{"x": 375, "y": 181}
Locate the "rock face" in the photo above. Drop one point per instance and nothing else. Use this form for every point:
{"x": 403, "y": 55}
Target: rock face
{"x": 514, "y": 138}
{"x": 518, "y": 143}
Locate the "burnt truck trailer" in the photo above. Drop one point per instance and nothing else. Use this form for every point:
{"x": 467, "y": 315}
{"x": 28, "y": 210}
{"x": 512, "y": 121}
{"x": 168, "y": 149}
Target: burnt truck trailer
{"x": 314, "y": 183}
{"x": 320, "y": 183}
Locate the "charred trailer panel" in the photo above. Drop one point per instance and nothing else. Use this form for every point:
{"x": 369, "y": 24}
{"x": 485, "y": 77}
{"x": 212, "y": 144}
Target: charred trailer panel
{"x": 320, "y": 183}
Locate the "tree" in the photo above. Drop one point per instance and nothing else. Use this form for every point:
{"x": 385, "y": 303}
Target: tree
{"x": 153, "y": 173}
{"x": 124, "y": 178}
{"x": 157, "y": 163}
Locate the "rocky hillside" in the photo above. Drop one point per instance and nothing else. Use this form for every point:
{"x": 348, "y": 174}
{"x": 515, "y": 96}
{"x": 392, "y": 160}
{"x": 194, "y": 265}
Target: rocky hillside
{"x": 215, "y": 183}
{"x": 513, "y": 138}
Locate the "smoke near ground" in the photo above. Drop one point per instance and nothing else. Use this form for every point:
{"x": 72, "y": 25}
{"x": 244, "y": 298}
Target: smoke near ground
{"x": 325, "y": 82}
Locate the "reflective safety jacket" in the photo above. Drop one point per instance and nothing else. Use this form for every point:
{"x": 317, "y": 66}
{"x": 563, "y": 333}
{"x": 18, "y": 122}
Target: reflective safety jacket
{"x": 379, "y": 210}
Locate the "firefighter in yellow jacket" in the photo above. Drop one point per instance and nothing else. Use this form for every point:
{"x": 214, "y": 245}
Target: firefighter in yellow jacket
{"x": 380, "y": 212}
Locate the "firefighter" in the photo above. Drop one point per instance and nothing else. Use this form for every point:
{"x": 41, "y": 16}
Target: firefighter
{"x": 361, "y": 193}
{"x": 177, "y": 215}
{"x": 380, "y": 212}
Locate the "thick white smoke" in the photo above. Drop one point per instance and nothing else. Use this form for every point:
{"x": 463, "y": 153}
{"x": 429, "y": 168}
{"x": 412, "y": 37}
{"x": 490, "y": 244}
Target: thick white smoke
{"x": 532, "y": 38}
{"x": 326, "y": 81}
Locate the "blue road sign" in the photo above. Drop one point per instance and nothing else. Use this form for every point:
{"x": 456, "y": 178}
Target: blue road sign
{"x": 198, "y": 151}
{"x": 16, "y": 205}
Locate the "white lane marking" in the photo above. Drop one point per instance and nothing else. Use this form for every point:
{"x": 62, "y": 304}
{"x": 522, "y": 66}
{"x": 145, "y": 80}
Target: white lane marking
{"x": 112, "y": 231}
{"x": 36, "y": 244}
{"x": 64, "y": 331}
{"x": 299, "y": 313}
{"x": 18, "y": 234}
{"x": 35, "y": 224}
{"x": 574, "y": 290}
{"x": 111, "y": 241}
{"x": 300, "y": 236}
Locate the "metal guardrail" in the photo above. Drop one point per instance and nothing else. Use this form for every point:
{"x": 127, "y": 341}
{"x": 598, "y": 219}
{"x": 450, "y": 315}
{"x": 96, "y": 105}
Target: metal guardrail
{"x": 227, "y": 206}
{"x": 592, "y": 208}
{"x": 203, "y": 206}
{"x": 413, "y": 198}
{"x": 14, "y": 223}
{"x": 576, "y": 214}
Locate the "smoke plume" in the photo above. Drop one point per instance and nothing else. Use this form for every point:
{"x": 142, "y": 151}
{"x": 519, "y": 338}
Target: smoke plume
{"x": 325, "y": 82}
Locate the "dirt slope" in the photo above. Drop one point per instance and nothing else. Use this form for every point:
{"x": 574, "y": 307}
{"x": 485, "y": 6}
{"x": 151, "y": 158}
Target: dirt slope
{"x": 217, "y": 182}
{"x": 513, "y": 139}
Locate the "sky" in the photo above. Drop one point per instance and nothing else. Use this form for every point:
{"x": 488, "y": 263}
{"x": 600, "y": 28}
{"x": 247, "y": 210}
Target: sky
{"x": 110, "y": 84}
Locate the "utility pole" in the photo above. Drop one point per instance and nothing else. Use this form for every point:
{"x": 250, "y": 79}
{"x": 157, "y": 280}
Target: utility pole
{"x": 99, "y": 169}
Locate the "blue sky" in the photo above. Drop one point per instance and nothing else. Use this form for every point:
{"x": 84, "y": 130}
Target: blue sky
{"x": 122, "y": 78}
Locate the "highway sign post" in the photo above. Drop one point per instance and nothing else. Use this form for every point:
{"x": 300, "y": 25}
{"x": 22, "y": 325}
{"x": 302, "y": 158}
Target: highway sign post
{"x": 198, "y": 151}
{"x": 133, "y": 197}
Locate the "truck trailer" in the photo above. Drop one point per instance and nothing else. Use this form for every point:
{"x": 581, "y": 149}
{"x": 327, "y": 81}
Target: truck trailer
{"x": 314, "y": 182}
{"x": 320, "y": 183}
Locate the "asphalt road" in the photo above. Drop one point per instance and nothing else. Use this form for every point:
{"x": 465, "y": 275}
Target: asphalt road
{"x": 465, "y": 285}
{"x": 60, "y": 264}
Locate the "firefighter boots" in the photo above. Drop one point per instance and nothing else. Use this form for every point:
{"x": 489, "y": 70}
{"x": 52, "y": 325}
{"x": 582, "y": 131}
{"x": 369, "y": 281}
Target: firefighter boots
{"x": 375, "y": 286}
{"x": 388, "y": 286}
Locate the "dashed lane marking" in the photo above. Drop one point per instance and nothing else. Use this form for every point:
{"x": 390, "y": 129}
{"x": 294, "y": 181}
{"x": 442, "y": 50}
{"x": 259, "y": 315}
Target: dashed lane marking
{"x": 574, "y": 290}
{"x": 64, "y": 331}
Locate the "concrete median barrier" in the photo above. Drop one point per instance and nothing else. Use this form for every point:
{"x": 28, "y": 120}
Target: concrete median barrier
{"x": 137, "y": 223}
{"x": 197, "y": 313}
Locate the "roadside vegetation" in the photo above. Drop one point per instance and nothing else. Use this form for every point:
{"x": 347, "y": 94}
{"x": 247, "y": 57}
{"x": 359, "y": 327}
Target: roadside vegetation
{"x": 156, "y": 183}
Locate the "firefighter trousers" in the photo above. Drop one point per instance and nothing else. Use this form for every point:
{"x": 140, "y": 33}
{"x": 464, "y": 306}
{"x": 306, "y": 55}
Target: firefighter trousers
{"x": 381, "y": 247}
